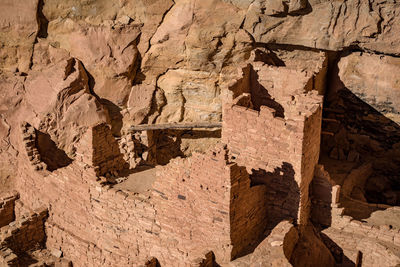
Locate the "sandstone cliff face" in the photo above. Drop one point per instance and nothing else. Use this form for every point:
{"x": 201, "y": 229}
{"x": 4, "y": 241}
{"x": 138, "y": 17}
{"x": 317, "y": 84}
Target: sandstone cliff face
{"x": 330, "y": 25}
{"x": 375, "y": 80}
{"x": 160, "y": 61}
{"x": 68, "y": 65}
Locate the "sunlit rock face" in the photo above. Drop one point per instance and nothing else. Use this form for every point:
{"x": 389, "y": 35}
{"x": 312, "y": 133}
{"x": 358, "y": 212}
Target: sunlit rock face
{"x": 199, "y": 132}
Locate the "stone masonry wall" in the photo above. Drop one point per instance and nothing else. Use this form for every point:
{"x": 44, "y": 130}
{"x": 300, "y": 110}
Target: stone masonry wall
{"x": 272, "y": 124}
{"x": 310, "y": 151}
{"x": 260, "y": 140}
{"x": 248, "y": 212}
{"x": 378, "y": 244}
{"x": 208, "y": 203}
{"x": 99, "y": 149}
{"x": 200, "y": 202}
{"x": 8, "y": 258}
{"x": 29, "y": 138}
{"x": 282, "y": 194}
{"x": 92, "y": 224}
{"x": 192, "y": 199}
{"x": 95, "y": 224}
{"x": 7, "y": 213}
{"x": 24, "y": 234}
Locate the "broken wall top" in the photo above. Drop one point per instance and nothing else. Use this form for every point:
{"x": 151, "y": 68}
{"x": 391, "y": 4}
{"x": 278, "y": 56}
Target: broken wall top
{"x": 285, "y": 91}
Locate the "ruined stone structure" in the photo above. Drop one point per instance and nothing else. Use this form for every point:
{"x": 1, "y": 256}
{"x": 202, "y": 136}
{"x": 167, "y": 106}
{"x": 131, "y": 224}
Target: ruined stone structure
{"x": 199, "y": 133}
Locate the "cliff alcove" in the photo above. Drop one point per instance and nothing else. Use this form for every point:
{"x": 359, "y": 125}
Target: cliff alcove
{"x": 199, "y": 133}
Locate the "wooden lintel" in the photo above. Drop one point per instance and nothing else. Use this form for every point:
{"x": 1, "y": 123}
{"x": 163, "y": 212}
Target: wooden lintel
{"x": 175, "y": 126}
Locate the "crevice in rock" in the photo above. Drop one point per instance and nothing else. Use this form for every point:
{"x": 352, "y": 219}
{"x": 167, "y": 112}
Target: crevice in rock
{"x": 43, "y": 22}
{"x": 275, "y": 46}
{"x": 161, "y": 22}
{"x": 153, "y": 104}
{"x": 134, "y": 72}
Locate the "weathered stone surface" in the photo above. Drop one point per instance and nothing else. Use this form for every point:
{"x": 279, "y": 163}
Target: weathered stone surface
{"x": 108, "y": 52}
{"x": 189, "y": 96}
{"x": 374, "y": 79}
{"x": 11, "y": 97}
{"x": 277, "y": 248}
{"x": 331, "y": 25}
{"x": 149, "y": 15}
{"x": 18, "y": 33}
{"x": 60, "y": 95}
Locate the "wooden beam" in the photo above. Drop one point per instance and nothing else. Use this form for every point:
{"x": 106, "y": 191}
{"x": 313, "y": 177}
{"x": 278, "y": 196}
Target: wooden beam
{"x": 175, "y": 126}
{"x": 327, "y": 133}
